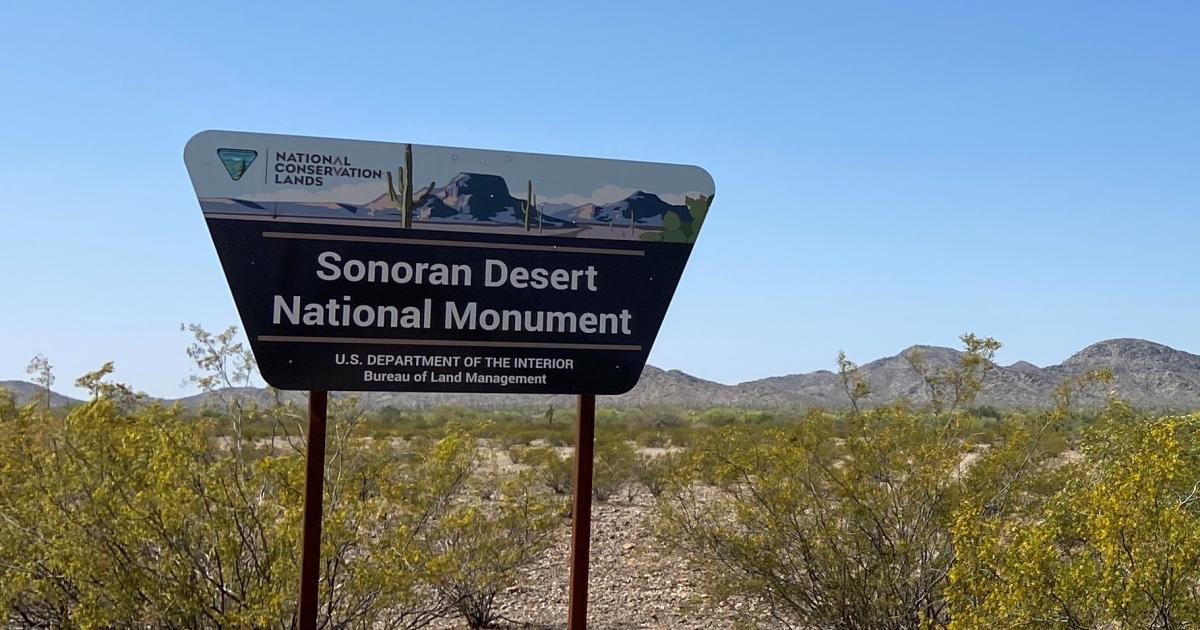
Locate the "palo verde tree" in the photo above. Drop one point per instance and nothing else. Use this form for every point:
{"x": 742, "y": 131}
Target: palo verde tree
{"x": 42, "y": 374}
{"x": 854, "y": 383}
{"x": 952, "y": 388}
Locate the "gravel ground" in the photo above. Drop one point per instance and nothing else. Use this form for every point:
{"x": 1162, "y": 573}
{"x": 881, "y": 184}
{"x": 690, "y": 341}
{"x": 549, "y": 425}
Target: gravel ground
{"x": 634, "y": 582}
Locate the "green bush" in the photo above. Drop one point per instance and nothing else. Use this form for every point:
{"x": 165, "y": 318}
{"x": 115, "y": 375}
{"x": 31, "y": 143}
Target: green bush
{"x": 126, "y": 514}
{"x": 480, "y": 546}
{"x": 612, "y": 468}
{"x": 829, "y": 530}
{"x": 652, "y": 438}
{"x": 123, "y": 513}
{"x": 1109, "y": 539}
{"x": 656, "y": 473}
{"x": 551, "y": 469}
{"x": 135, "y": 519}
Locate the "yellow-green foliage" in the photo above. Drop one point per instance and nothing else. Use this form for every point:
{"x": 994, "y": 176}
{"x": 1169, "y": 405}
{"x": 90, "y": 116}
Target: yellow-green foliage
{"x": 136, "y": 516}
{"x": 612, "y": 467}
{"x": 1116, "y": 545}
{"x": 548, "y": 467}
{"x": 119, "y": 519}
{"x": 487, "y": 542}
{"x": 656, "y": 473}
{"x": 830, "y": 529}
{"x": 119, "y": 513}
{"x": 891, "y": 518}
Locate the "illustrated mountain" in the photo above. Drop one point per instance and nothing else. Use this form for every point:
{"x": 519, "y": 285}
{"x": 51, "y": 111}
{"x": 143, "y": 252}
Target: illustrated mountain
{"x": 468, "y": 197}
{"x": 641, "y": 208}
{"x": 478, "y": 197}
{"x": 1148, "y": 374}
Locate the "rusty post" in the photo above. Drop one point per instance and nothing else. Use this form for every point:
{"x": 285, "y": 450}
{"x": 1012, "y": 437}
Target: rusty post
{"x": 314, "y": 479}
{"x": 581, "y": 512}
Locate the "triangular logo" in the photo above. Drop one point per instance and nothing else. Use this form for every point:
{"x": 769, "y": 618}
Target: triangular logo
{"x": 236, "y": 161}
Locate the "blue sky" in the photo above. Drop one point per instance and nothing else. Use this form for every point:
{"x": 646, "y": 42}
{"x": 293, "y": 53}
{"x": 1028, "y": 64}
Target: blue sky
{"x": 887, "y": 173}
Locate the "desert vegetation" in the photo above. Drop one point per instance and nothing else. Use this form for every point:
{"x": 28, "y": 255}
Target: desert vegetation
{"x": 122, "y": 512}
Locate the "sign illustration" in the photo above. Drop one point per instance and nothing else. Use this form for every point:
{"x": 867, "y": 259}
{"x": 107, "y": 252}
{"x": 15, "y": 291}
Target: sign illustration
{"x": 361, "y": 265}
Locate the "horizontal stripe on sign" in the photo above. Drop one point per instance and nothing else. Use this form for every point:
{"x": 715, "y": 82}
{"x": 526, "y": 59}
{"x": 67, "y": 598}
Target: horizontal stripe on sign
{"x": 457, "y": 343}
{"x": 569, "y": 249}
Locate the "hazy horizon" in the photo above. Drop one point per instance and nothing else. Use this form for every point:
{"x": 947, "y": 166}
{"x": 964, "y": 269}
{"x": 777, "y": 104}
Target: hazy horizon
{"x": 66, "y": 387}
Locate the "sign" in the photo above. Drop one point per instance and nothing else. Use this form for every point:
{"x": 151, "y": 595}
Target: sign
{"x": 362, "y": 265}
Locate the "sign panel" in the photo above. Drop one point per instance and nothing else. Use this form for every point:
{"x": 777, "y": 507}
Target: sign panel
{"x": 362, "y": 265}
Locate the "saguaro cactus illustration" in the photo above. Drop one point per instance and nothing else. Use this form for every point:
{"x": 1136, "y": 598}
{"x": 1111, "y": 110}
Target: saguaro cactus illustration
{"x": 402, "y": 198}
{"x": 529, "y": 206}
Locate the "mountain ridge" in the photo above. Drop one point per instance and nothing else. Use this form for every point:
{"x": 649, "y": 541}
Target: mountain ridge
{"x": 1147, "y": 374}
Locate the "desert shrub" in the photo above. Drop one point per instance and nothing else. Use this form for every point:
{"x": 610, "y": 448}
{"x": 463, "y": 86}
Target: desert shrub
{"x": 758, "y": 417}
{"x": 679, "y": 437}
{"x": 631, "y": 420}
{"x": 1116, "y": 543}
{"x": 126, "y": 514}
{"x": 477, "y": 548}
{"x": 656, "y": 473}
{"x": 651, "y": 438}
{"x": 138, "y": 518}
{"x": 828, "y": 530}
{"x": 123, "y": 519}
{"x": 720, "y": 417}
{"x": 612, "y": 467}
{"x": 986, "y": 411}
{"x": 520, "y": 433}
{"x": 613, "y": 417}
{"x": 903, "y": 518}
{"x": 664, "y": 418}
{"x": 611, "y": 470}
{"x": 551, "y": 469}
{"x": 8, "y": 404}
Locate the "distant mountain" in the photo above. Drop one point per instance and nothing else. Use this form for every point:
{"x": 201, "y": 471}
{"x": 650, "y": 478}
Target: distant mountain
{"x": 1024, "y": 366}
{"x": 644, "y": 208}
{"x": 1148, "y": 374}
{"x": 1145, "y": 373}
{"x": 24, "y": 391}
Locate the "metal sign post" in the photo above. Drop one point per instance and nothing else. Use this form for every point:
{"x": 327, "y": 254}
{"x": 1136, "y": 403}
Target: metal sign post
{"x": 314, "y": 481}
{"x": 581, "y": 512}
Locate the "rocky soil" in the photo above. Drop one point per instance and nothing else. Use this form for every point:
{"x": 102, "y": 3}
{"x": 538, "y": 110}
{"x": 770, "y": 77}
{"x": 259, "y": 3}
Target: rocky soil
{"x": 634, "y": 581}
